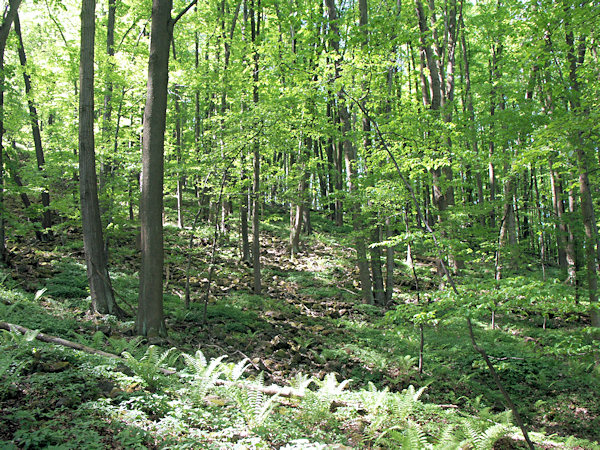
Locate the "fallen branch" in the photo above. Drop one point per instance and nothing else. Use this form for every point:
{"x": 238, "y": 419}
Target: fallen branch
{"x": 269, "y": 390}
{"x": 56, "y": 340}
{"x": 273, "y": 389}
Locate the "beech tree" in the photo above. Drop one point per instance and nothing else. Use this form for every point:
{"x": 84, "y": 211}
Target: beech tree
{"x": 150, "y": 317}
{"x": 103, "y": 300}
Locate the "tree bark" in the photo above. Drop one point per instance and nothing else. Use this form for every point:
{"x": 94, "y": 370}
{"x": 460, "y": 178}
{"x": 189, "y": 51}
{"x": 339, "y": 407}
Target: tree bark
{"x": 179, "y": 148}
{"x": 376, "y": 254}
{"x": 150, "y": 318}
{"x": 244, "y": 211}
{"x": 106, "y": 166}
{"x": 257, "y": 280}
{"x": 35, "y": 127}
{"x": 559, "y": 210}
{"x": 9, "y": 17}
{"x": 508, "y": 230}
{"x": 389, "y": 263}
{"x": 103, "y": 300}
{"x": 574, "y": 60}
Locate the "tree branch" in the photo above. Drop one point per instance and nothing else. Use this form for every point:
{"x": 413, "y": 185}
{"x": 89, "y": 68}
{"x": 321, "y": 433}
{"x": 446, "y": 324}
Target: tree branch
{"x": 181, "y": 14}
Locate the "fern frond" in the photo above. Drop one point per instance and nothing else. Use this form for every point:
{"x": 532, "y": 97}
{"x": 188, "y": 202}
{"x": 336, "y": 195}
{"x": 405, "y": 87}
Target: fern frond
{"x": 474, "y": 436}
{"x": 492, "y": 434}
{"x": 330, "y": 386}
{"x": 447, "y": 439}
{"x": 414, "y": 437}
{"x": 236, "y": 372}
{"x": 254, "y": 404}
{"x": 204, "y": 375}
{"x": 300, "y": 382}
{"x": 147, "y": 367}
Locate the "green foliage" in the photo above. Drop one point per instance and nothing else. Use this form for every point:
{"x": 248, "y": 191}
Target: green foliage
{"x": 329, "y": 386}
{"x": 484, "y": 438}
{"x": 69, "y": 283}
{"x": 147, "y": 368}
{"x": 203, "y": 375}
{"x": 254, "y": 405}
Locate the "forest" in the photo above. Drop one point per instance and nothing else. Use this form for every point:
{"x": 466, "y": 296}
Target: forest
{"x": 286, "y": 224}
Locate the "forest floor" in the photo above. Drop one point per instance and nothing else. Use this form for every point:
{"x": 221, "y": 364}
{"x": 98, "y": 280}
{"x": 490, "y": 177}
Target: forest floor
{"x": 308, "y": 321}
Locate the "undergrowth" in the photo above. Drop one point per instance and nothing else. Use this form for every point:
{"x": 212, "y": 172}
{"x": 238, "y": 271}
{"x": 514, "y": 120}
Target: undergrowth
{"x": 353, "y": 367}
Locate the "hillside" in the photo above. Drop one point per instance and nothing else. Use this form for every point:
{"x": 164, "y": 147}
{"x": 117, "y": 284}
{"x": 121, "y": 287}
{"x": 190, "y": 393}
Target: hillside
{"x": 354, "y": 368}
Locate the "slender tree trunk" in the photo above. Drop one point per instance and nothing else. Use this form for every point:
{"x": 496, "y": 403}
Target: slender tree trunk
{"x": 297, "y": 210}
{"x": 349, "y": 152}
{"x": 35, "y": 127}
{"x": 376, "y": 255}
{"x": 389, "y": 263}
{"x": 11, "y": 167}
{"x": 150, "y": 318}
{"x": 357, "y": 224}
{"x": 575, "y": 251}
{"x": 244, "y": 211}
{"x": 257, "y": 279}
{"x": 493, "y": 79}
{"x": 9, "y": 16}
{"x": 591, "y": 237}
{"x": 559, "y": 210}
{"x": 106, "y": 166}
{"x": 575, "y": 59}
{"x": 99, "y": 279}
{"x": 542, "y": 238}
{"x": 179, "y": 148}
{"x": 471, "y": 115}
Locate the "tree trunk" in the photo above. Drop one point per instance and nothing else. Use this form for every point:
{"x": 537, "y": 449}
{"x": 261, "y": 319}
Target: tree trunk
{"x": 508, "y": 230}
{"x": 542, "y": 238}
{"x": 9, "y": 16}
{"x": 389, "y": 263}
{"x": 575, "y": 59}
{"x": 494, "y": 75}
{"x": 106, "y": 166}
{"x": 357, "y": 224}
{"x": 591, "y": 236}
{"x": 244, "y": 211}
{"x": 35, "y": 127}
{"x": 99, "y": 279}
{"x": 574, "y": 247}
{"x": 179, "y": 147}
{"x": 349, "y": 152}
{"x": 11, "y": 166}
{"x": 150, "y": 318}
{"x": 376, "y": 254}
{"x": 559, "y": 211}
{"x": 257, "y": 280}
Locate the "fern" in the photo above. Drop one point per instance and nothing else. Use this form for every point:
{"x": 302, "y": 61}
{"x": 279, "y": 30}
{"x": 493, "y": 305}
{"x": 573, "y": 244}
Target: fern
{"x": 483, "y": 439}
{"x": 15, "y": 337}
{"x": 120, "y": 345}
{"x": 254, "y": 405}
{"x": 447, "y": 440}
{"x": 300, "y": 383}
{"x": 233, "y": 372}
{"x": 330, "y": 387}
{"x": 204, "y": 374}
{"x": 374, "y": 400}
{"x": 404, "y": 404}
{"x": 411, "y": 438}
{"x": 148, "y": 366}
